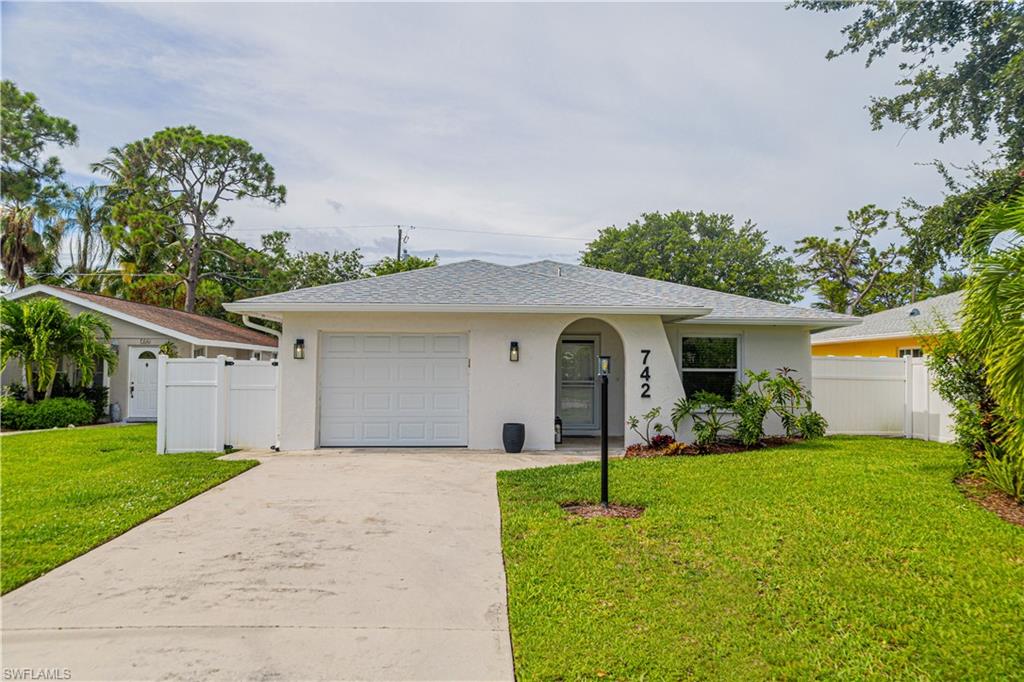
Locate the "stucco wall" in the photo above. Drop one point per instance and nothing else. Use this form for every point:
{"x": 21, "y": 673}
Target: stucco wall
{"x": 760, "y": 348}
{"x": 500, "y": 391}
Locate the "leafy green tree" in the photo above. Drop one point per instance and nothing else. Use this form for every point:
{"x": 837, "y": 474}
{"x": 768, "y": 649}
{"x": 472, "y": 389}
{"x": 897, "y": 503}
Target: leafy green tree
{"x": 847, "y": 271}
{"x": 935, "y": 234}
{"x": 27, "y": 177}
{"x": 170, "y": 188}
{"x": 961, "y": 63}
{"x": 698, "y": 249}
{"x": 389, "y": 265}
{"x": 40, "y": 332}
{"x": 308, "y": 268}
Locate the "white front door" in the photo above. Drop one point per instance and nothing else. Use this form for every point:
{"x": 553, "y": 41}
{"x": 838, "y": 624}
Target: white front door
{"x": 142, "y": 384}
{"x": 577, "y": 385}
{"x": 394, "y": 389}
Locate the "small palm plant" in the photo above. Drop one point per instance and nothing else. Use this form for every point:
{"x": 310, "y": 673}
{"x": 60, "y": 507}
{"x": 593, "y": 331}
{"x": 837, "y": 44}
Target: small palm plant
{"x": 40, "y": 332}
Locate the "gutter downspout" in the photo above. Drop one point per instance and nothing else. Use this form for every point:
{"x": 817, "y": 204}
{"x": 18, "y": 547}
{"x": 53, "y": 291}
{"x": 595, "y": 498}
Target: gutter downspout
{"x": 273, "y": 332}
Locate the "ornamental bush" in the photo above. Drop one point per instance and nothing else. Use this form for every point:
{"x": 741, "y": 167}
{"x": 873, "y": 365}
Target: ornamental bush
{"x": 47, "y": 414}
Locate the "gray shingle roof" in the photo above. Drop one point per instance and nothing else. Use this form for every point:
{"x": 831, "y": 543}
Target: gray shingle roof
{"x": 542, "y": 284}
{"x": 899, "y": 322}
{"x": 724, "y": 306}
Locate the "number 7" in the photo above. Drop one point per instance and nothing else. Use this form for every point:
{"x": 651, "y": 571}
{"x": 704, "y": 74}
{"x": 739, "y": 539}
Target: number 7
{"x": 646, "y": 354}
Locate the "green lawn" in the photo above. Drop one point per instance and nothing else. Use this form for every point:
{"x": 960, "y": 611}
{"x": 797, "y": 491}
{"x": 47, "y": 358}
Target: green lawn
{"x": 847, "y": 558}
{"x": 64, "y": 492}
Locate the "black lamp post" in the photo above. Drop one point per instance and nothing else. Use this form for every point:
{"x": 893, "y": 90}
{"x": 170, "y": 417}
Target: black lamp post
{"x": 603, "y": 367}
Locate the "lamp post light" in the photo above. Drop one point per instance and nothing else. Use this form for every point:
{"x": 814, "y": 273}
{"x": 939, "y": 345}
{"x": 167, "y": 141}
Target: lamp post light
{"x": 603, "y": 367}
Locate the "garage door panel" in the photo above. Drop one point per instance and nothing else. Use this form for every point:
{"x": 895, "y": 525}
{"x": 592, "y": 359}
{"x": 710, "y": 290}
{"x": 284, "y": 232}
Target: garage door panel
{"x": 397, "y": 389}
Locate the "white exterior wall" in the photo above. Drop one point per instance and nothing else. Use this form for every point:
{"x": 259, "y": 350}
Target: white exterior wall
{"x": 499, "y": 390}
{"x": 760, "y": 348}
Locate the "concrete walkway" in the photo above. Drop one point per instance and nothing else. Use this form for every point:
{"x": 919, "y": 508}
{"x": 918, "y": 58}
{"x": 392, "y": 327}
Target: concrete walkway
{"x": 334, "y": 565}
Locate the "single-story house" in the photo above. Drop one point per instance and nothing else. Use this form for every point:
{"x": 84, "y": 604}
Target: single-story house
{"x": 893, "y": 333}
{"x": 139, "y": 330}
{"x": 444, "y": 356}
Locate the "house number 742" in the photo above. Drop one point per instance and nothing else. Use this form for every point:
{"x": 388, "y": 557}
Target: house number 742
{"x": 645, "y": 387}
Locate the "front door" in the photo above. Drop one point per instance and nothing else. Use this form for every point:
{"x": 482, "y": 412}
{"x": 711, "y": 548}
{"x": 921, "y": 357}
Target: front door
{"x": 577, "y": 386}
{"x": 142, "y": 384}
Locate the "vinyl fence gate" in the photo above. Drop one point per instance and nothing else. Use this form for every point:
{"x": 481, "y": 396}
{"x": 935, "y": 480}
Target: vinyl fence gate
{"x": 881, "y": 397}
{"x": 206, "y": 404}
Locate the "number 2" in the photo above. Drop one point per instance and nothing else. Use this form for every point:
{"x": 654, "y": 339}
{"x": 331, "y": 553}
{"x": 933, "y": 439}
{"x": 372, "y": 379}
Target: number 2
{"x": 645, "y": 390}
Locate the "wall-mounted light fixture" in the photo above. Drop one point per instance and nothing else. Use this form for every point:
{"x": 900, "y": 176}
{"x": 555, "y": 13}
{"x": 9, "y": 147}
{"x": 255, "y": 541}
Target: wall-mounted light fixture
{"x": 299, "y": 349}
{"x": 604, "y": 365}
{"x": 513, "y": 351}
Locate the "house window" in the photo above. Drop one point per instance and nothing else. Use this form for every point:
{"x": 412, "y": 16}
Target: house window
{"x": 911, "y": 352}
{"x": 710, "y": 363}
{"x": 199, "y": 352}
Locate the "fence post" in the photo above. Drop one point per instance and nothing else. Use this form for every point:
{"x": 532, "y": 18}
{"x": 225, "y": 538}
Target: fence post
{"x": 908, "y": 405}
{"x": 161, "y": 405}
{"x": 221, "y": 418}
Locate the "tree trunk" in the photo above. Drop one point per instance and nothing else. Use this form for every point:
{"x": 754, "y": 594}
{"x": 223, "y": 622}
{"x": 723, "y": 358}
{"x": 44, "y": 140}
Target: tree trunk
{"x": 192, "y": 282}
{"x": 30, "y": 390}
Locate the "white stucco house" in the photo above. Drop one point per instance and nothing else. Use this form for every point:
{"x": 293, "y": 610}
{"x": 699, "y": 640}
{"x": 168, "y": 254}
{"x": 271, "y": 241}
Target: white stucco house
{"x": 445, "y": 356}
{"x": 138, "y": 332}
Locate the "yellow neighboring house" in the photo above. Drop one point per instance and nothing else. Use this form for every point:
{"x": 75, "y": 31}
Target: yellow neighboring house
{"x": 890, "y": 333}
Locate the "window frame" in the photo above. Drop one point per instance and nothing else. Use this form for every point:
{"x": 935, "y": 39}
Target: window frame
{"x": 737, "y": 371}
{"x": 904, "y": 351}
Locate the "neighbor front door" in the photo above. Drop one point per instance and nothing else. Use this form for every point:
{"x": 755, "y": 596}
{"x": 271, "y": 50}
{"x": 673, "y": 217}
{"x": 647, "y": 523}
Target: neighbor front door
{"x": 142, "y": 384}
{"x": 577, "y": 388}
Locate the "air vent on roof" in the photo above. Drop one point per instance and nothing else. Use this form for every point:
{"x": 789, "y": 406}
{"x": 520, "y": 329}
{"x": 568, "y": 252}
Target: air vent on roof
{"x": 915, "y": 312}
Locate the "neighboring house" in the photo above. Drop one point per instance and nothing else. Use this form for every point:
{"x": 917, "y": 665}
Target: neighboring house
{"x": 445, "y": 355}
{"x": 891, "y": 333}
{"x": 139, "y": 330}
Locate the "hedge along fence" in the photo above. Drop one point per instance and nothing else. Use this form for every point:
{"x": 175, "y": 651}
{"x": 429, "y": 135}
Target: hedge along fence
{"x": 207, "y": 404}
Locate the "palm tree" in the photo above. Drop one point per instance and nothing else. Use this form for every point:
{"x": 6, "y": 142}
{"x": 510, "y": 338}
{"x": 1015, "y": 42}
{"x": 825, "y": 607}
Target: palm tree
{"x": 993, "y": 315}
{"x": 20, "y": 244}
{"x": 87, "y": 215}
{"x": 40, "y": 332}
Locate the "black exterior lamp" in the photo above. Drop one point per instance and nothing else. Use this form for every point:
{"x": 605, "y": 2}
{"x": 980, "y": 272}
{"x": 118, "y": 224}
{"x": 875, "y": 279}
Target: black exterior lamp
{"x": 604, "y": 365}
{"x": 513, "y": 351}
{"x": 299, "y": 349}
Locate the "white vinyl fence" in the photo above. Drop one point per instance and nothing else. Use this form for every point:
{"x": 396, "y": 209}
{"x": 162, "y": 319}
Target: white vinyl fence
{"x": 205, "y": 404}
{"x": 880, "y": 396}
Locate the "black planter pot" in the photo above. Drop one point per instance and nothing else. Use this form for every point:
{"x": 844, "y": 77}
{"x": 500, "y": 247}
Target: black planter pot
{"x": 513, "y": 436}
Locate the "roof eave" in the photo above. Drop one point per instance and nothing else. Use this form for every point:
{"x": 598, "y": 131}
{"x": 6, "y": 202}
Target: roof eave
{"x": 281, "y": 308}
{"x": 145, "y": 324}
{"x": 872, "y": 337}
{"x": 816, "y": 323}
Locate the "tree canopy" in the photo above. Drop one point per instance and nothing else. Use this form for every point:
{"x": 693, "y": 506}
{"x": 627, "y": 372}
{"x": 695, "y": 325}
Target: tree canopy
{"x": 962, "y": 64}
{"x": 699, "y": 249}
{"x": 27, "y": 176}
{"x": 168, "y": 189}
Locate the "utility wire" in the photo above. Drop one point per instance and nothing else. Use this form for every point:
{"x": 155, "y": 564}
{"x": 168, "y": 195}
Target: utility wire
{"x": 326, "y": 228}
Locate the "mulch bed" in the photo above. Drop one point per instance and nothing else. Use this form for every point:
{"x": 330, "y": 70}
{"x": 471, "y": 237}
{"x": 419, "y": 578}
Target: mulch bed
{"x": 996, "y": 501}
{"x": 589, "y": 510}
{"x": 720, "y": 448}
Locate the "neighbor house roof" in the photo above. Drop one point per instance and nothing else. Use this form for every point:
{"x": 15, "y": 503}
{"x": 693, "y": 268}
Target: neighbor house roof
{"x": 190, "y": 327}
{"x": 907, "y": 320}
{"x": 545, "y": 286}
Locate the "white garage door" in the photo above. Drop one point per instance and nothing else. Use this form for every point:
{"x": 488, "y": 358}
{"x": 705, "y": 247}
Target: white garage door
{"x": 393, "y": 389}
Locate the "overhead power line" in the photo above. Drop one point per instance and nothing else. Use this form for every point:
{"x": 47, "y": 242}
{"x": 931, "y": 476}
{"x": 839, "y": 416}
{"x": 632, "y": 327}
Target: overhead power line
{"x": 326, "y": 228}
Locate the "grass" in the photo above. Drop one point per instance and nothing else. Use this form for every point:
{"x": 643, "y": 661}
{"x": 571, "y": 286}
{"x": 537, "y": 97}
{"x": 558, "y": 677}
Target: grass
{"x": 848, "y": 558}
{"x": 65, "y": 492}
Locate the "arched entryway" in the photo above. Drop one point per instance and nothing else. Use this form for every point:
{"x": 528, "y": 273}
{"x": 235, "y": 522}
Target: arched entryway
{"x": 577, "y": 386}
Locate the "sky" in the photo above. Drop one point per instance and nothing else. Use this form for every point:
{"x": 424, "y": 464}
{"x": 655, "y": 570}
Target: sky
{"x": 493, "y": 122}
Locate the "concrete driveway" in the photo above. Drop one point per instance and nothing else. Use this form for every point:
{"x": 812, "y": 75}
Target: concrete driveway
{"x": 334, "y": 565}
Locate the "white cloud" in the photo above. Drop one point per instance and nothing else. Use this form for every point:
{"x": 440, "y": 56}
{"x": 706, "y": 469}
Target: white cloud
{"x": 551, "y": 119}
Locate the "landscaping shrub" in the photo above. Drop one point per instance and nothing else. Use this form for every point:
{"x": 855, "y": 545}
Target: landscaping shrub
{"x": 657, "y": 427}
{"x": 62, "y": 388}
{"x": 811, "y": 425}
{"x": 46, "y": 414}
